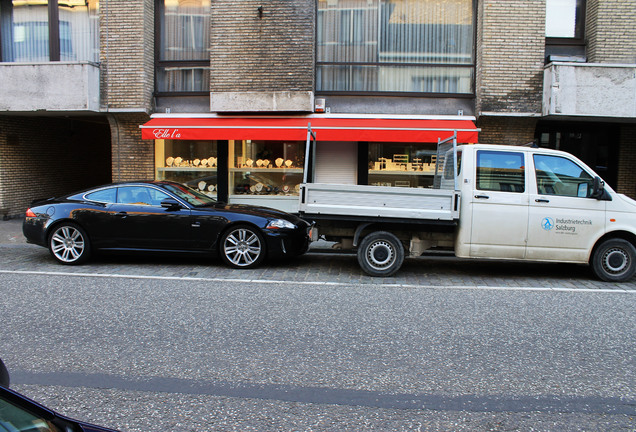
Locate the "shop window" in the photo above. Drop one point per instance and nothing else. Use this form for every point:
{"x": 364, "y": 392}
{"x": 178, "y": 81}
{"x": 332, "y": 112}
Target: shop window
{"x": 401, "y": 165}
{"x": 395, "y": 46}
{"x": 183, "y": 63}
{"x": 266, "y": 168}
{"x": 193, "y": 163}
{"x": 40, "y": 31}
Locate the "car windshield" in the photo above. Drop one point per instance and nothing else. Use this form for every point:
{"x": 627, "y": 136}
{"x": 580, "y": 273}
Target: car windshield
{"x": 193, "y": 197}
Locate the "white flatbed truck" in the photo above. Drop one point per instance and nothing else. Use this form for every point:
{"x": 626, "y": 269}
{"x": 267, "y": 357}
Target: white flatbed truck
{"x": 489, "y": 201}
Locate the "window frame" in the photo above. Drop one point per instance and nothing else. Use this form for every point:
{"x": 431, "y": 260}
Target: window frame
{"x": 478, "y": 185}
{"x": 54, "y": 34}
{"x": 579, "y": 28}
{"x": 162, "y": 64}
{"x": 472, "y": 66}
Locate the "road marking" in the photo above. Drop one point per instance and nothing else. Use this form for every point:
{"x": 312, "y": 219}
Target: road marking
{"x": 518, "y": 403}
{"x": 322, "y": 283}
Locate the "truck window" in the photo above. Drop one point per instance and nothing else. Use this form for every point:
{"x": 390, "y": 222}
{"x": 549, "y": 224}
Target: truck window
{"x": 500, "y": 171}
{"x": 560, "y": 176}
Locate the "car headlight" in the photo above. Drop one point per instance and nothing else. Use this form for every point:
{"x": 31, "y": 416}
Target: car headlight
{"x": 280, "y": 223}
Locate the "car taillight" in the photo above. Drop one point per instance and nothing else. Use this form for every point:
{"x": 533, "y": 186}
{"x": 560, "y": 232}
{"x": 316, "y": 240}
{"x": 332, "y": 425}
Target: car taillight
{"x": 30, "y": 214}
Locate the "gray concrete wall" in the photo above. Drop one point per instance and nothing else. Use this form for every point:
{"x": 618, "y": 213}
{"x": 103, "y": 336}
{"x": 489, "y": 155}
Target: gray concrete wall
{"x": 51, "y": 86}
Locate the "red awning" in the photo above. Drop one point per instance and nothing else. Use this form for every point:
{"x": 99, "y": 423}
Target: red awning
{"x": 370, "y": 129}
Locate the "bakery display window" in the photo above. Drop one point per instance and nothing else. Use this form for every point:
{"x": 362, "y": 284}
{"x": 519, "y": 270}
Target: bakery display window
{"x": 193, "y": 163}
{"x": 270, "y": 168}
{"x": 402, "y": 165}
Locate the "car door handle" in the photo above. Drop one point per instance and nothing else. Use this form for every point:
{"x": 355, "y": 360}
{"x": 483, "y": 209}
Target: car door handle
{"x": 196, "y": 225}
{"x": 482, "y": 196}
{"x": 542, "y": 200}
{"x": 122, "y": 214}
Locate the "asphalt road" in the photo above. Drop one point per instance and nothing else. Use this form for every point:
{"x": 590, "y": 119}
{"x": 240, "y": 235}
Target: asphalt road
{"x": 314, "y": 345}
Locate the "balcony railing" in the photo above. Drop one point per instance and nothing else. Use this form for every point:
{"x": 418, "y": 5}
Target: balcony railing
{"x": 51, "y": 86}
{"x": 589, "y": 90}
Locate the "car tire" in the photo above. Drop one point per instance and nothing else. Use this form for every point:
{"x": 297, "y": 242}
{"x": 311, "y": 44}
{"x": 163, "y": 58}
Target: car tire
{"x": 380, "y": 254}
{"x": 243, "y": 247}
{"x": 69, "y": 244}
{"x": 614, "y": 260}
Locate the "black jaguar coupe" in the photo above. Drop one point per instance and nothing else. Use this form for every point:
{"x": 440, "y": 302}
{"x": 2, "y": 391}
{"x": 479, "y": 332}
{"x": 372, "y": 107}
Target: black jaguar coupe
{"x": 162, "y": 216}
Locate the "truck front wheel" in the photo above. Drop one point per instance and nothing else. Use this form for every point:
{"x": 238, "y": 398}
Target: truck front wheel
{"x": 614, "y": 260}
{"x": 380, "y": 254}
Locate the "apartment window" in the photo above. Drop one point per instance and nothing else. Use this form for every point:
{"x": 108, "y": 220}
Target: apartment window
{"x": 395, "y": 46}
{"x": 564, "y": 18}
{"x": 41, "y": 31}
{"x": 183, "y": 62}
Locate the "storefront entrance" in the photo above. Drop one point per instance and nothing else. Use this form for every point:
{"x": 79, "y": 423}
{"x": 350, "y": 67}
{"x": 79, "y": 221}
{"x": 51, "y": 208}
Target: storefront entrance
{"x": 261, "y": 160}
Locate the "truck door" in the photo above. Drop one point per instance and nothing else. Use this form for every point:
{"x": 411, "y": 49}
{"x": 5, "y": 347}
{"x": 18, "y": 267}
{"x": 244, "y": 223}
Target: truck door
{"x": 564, "y": 220}
{"x": 499, "y": 205}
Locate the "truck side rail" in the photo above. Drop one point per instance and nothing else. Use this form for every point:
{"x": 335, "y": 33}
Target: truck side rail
{"x": 379, "y": 201}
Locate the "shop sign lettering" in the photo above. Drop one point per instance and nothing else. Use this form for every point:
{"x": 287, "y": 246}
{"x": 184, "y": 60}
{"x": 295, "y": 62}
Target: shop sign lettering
{"x": 166, "y": 133}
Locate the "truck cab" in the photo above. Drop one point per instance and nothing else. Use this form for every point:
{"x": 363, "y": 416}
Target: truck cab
{"x": 542, "y": 205}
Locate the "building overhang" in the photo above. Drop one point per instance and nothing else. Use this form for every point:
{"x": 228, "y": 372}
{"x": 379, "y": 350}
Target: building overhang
{"x": 332, "y": 127}
{"x": 594, "y": 90}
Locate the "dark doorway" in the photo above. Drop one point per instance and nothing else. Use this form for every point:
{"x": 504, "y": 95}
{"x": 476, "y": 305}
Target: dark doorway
{"x": 596, "y": 144}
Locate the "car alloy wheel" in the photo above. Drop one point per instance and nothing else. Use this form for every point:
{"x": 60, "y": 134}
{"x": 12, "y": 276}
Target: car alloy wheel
{"x": 68, "y": 244}
{"x": 243, "y": 247}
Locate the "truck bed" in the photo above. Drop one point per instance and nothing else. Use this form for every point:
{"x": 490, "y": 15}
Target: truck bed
{"x": 379, "y": 201}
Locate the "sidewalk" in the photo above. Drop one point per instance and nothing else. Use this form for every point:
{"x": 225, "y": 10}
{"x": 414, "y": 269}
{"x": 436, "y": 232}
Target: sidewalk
{"x": 11, "y": 232}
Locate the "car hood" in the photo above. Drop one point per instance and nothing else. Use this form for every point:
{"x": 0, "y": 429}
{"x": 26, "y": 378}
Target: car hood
{"x": 265, "y": 212}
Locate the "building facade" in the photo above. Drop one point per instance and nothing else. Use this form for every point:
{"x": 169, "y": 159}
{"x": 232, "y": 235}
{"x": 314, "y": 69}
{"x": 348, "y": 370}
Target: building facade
{"x": 219, "y": 94}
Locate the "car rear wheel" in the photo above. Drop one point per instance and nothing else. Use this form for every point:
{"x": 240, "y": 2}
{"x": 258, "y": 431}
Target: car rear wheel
{"x": 614, "y": 260}
{"x": 243, "y": 247}
{"x": 68, "y": 243}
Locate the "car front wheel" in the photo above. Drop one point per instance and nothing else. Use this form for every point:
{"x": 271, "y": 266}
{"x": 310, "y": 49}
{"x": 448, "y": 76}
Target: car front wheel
{"x": 68, "y": 243}
{"x": 614, "y": 260}
{"x": 243, "y": 247}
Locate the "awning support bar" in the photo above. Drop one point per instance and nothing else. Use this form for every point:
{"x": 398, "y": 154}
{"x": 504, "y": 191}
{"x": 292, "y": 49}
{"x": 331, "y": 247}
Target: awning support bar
{"x": 310, "y": 135}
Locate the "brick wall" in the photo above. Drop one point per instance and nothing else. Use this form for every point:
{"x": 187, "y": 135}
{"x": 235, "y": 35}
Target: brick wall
{"x": 627, "y": 161}
{"x": 506, "y": 130}
{"x": 133, "y": 158}
{"x": 510, "y": 55}
{"x": 41, "y": 157}
{"x": 127, "y": 54}
{"x": 272, "y": 53}
{"x": 611, "y": 31}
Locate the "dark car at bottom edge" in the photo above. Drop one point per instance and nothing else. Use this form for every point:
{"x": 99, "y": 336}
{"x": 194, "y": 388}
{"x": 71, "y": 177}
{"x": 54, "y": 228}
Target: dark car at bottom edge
{"x": 162, "y": 216}
{"x": 21, "y": 414}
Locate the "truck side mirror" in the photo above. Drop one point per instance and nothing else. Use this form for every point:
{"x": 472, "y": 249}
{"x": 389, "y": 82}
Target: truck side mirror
{"x": 598, "y": 190}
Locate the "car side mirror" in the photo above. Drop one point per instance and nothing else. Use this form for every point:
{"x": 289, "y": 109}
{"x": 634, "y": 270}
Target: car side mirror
{"x": 170, "y": 204}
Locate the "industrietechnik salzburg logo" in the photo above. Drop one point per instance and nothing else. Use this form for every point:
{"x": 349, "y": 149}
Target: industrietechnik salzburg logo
{"x": 547, "y": 223}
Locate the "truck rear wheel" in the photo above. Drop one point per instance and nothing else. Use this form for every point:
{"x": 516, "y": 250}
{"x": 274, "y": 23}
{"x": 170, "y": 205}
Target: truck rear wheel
{"x": 380, "y": 254}
{"x": 614, "y": 260}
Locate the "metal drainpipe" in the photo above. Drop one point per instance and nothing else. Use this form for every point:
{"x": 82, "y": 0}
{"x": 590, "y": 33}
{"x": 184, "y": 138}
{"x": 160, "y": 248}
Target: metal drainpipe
{"x": 111, "y": 117}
